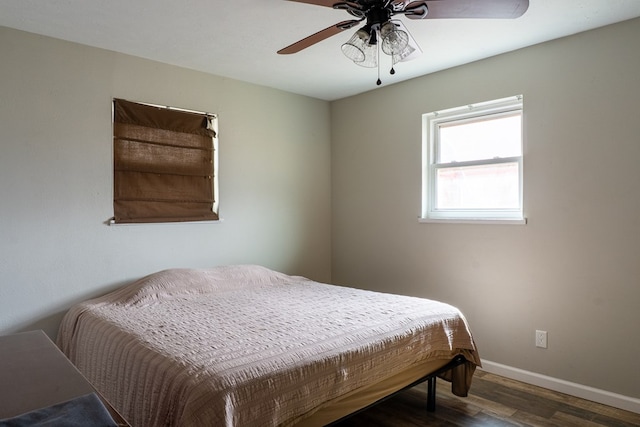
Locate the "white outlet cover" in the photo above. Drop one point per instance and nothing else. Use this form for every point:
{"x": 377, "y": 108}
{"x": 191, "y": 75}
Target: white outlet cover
{"x": 541, "y": 339}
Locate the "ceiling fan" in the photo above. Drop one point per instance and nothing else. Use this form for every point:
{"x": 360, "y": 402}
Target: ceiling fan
{"x": 381, "y": 31}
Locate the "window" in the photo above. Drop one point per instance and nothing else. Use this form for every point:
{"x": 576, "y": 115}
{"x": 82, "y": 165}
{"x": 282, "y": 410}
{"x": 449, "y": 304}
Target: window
{"x": 164, "y": 164}
{"x": 472, "y": 162}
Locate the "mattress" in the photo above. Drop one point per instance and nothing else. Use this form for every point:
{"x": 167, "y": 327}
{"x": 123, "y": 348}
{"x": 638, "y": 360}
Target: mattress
{"x": 248, "y": 346}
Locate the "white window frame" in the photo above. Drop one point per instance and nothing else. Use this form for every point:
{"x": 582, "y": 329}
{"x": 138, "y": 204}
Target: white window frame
{"x": 430, "y": 133}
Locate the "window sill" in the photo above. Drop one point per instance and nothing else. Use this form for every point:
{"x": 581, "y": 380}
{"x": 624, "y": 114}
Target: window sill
{"x": 496, "y": 221}
{"x": 112, "y": 223}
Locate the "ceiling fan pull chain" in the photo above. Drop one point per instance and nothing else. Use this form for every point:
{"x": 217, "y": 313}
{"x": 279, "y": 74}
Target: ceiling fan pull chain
{"x": 378, "y": 82}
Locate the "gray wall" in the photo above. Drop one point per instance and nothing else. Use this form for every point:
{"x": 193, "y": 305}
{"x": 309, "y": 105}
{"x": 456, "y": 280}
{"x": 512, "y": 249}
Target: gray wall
{"x": 56, "y": 178}
{"x": 574, "y": 269}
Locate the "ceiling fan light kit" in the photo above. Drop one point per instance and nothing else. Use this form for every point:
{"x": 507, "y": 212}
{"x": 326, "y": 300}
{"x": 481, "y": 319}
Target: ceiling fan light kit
{"x": 380, "y": 31}
{"x": 410, "y": 51}
{"x": 359, "y": 50}
{"x": 394, "y": 41}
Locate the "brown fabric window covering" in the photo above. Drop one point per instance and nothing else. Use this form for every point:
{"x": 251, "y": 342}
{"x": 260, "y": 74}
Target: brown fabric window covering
{"x": 163, "y": 165}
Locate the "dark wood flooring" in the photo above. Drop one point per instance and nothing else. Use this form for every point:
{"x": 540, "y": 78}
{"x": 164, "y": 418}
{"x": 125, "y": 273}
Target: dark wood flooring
{"x": 493, "y": 401}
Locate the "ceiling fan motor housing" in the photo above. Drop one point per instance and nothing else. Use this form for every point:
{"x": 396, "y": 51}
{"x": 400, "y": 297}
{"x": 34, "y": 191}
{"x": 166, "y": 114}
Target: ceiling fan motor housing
{"x": 377, "y": 15}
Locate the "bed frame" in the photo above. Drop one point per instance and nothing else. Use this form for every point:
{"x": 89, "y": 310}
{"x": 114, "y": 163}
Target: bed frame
{"x": 431, "y": 389}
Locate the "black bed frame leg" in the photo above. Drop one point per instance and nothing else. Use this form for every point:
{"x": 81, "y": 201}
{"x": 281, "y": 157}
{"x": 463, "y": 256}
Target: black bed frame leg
{"x": 431, "y": 394}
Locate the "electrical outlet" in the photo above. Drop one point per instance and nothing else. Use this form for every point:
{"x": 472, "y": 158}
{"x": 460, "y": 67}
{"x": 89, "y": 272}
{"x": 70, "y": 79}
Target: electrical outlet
{"x": 541, "y": 339}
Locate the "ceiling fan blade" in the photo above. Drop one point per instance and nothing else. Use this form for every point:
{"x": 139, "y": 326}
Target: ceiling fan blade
{"x": 319, "y": 36}
{"x": 416, "y": 10}
{"x": 478, "y": 9}
{"x": 327, "y": 3}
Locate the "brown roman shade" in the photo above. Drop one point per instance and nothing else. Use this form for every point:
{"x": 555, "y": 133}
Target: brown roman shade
{"x": 163, "y": 164}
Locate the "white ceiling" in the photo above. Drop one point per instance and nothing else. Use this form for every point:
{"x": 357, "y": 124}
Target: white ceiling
{"x": 239, "y": 38}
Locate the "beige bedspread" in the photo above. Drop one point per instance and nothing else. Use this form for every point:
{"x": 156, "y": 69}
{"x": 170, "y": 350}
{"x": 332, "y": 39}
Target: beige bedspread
{"x": 247, "y": 346}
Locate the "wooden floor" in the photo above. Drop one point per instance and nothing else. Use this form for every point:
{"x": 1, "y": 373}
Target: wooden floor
{"x": 493, "y": 401}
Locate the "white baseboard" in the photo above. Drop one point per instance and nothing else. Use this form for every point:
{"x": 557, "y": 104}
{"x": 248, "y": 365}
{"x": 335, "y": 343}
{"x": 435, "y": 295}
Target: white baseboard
{"x": 578, "y": 390}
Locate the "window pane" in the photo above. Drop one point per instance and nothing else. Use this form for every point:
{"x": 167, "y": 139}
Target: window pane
{"x": 478, "y": 187}
{"x": 483, "y": 138}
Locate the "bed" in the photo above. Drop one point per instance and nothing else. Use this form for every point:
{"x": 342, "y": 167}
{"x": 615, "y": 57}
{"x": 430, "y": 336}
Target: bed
{"x": 248, "y": 346}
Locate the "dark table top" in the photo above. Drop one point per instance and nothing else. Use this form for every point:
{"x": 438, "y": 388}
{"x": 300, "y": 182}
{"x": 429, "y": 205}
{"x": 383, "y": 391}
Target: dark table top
{"x": 35, "y": 374}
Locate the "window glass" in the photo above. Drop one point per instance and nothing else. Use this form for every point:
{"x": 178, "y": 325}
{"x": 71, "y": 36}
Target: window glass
{"x": 478, "y": 187}
{"x": 484, "y": 138}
